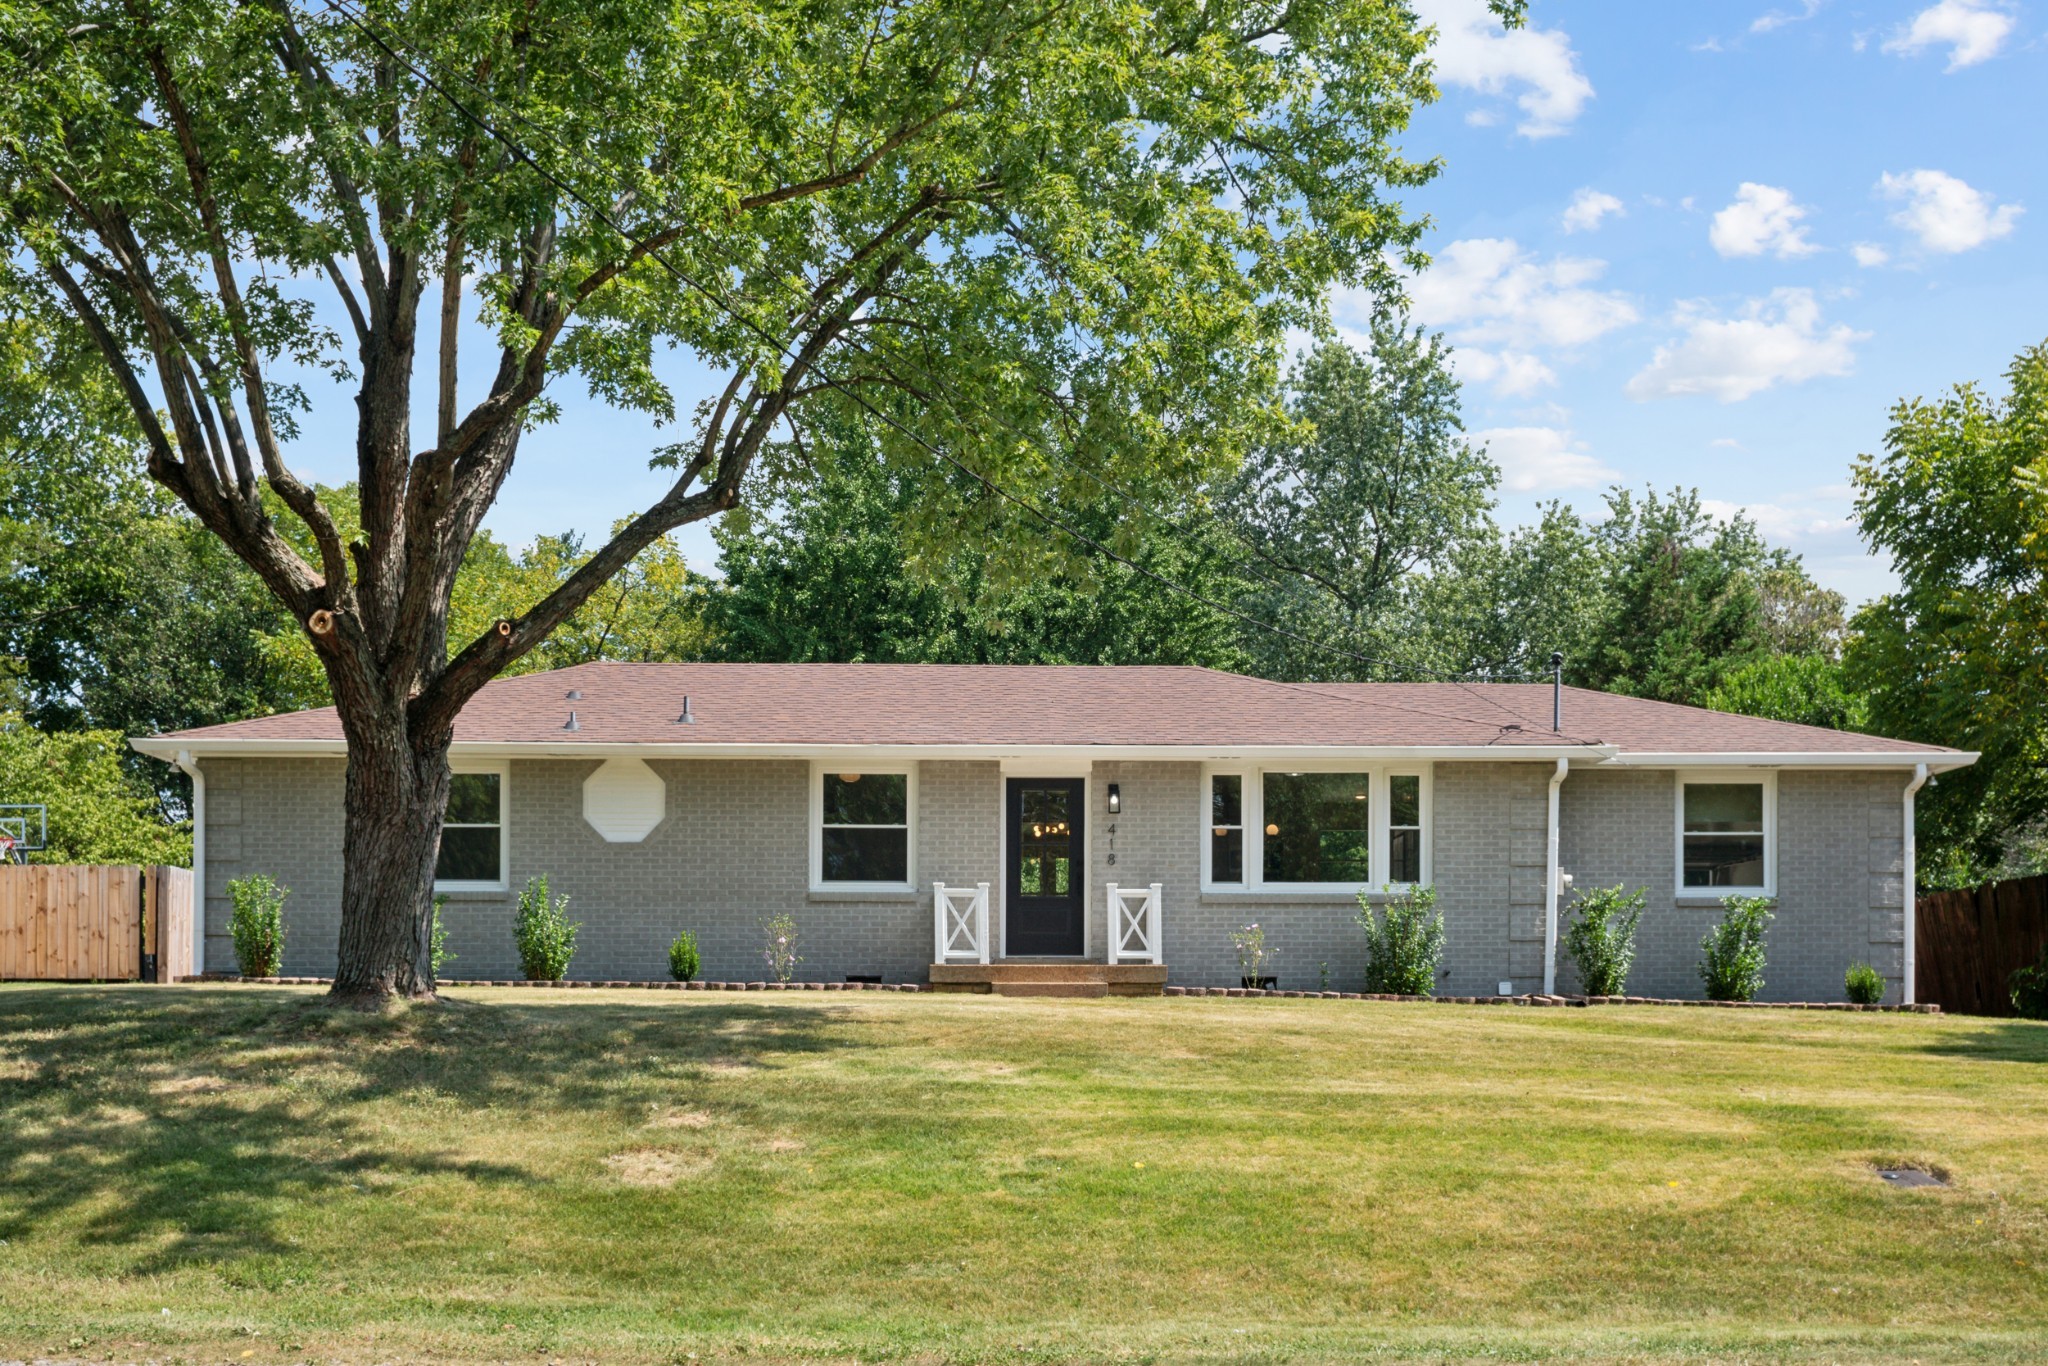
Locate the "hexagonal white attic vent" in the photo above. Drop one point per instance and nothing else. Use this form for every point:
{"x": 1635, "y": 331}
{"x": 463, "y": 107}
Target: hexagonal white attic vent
{"x": 624, "y": 800}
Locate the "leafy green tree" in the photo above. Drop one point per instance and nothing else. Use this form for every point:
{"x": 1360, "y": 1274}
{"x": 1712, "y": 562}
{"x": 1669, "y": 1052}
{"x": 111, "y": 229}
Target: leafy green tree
{"x": 1811, "y": 689}
{"x": 1092, "y": 225}
{"x": 1959, "y": 654}
{"x": 1685, "y": 604}
{"x": 1372, "y": 488}
{"x": 1505, "y": 604}
{"x": 118, "y": 610}
{"x": 97, "y": 811}
{"x": 828, "y": 574}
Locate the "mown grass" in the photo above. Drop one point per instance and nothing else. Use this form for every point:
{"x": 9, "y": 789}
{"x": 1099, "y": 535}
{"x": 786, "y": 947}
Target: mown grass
{"x": 627, "y": 1176}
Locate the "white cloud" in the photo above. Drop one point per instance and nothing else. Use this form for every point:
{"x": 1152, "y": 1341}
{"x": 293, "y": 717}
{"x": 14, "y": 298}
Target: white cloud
{"x": 1473, "y": 50}
{"x": 1946, "y": 214}
{"x": 1797, "y": 521}
{"x": 1489, "y": 291}
{"x": 1776, "y": 340}
{"x": 1869, "y": 254}
{"x": 1588, "y": 207}
{"x": 1779, "y": 18}
{"x": 1971, "y": 30}
{"x": 1727, "y": 443}
{"x": 1514, "y": 373}
{"x": 1542, "y": 459}
{"x": 1762, "y": 219}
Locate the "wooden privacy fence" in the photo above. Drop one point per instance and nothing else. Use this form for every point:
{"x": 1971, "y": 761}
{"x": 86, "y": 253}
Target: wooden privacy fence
{"x": 95, "y": 923}
{"x": 1971, "y": 942}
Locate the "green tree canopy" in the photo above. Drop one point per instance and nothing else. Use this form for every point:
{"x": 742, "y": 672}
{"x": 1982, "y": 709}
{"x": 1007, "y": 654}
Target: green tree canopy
{"x": 98, "y": 813}
{"x": 1959, "y": 654}
{"x": 1057, "y": 244}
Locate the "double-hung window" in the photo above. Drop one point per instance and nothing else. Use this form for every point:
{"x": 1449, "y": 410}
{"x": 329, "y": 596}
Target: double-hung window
{"x": 862, "y": 828}
{"x": 1727, "y": 834}
{"x": 1333, "y": 829}
{"x": 472, "y": 856}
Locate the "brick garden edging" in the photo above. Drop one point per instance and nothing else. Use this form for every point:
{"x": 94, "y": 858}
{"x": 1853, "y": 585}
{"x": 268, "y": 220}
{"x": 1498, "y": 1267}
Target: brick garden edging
{"x": 609, "y": 986}
{"x": 1230, "y": 992}
{"x": 1554, "y": 1000}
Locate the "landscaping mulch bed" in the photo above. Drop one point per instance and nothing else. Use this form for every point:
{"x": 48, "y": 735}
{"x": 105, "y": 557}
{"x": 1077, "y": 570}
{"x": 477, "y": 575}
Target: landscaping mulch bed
{"x": 1230, "y": 992}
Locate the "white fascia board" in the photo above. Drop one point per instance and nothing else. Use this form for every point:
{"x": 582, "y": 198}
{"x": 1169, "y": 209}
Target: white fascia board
{"x": 1937, "y": 762}
{"x": 1022, "y": 754}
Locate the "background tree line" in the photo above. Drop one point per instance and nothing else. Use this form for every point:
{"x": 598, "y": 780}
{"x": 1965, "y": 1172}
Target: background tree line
{"x": 1360, "y": 543}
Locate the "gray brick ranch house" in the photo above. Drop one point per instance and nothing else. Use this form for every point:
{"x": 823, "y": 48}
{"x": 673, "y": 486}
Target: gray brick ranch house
{"x": 987, "y": 824}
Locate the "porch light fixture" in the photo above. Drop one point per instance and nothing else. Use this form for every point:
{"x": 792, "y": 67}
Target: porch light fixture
{"x": 1116, "y": 799}
{"x": 849, "y": 777}
{"x": 1272, "y": 829}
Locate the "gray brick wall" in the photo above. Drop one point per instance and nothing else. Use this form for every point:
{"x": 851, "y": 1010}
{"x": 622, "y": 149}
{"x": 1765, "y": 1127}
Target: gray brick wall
{"x": 734, "y": 846}
{"x": 1840, "y": 852}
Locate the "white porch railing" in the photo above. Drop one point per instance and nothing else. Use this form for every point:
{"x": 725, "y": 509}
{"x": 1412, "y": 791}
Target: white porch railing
{"x": 959, "y": 923}
{"x": 1134, "y": 924}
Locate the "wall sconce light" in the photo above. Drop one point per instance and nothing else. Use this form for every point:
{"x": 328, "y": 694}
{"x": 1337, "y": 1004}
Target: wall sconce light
{"x": 1116, "y": 799}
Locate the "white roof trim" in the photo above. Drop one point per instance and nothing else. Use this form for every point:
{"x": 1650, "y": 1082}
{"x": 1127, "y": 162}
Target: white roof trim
{"x": 1603, "y": 755}
{"x": 1938, "y": 761}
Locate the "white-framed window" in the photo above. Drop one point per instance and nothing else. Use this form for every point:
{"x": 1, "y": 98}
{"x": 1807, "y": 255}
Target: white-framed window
{"x": 1331, "y": 827}
{"x": 1728, "y": 833}
{"x": 863, "y": 827}
{"x": 475, "y": 854}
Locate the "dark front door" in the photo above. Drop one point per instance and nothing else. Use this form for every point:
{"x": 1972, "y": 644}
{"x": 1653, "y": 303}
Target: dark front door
{"x": 1047, "y": 881}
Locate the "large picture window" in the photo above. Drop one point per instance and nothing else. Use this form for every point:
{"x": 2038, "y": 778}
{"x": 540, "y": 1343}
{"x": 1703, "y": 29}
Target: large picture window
{"x": 1335, "y": 829}
{"x": 473, "y": 832}
{"x": 864, "y": 828}
{"x": 1725, "y": 835}
{"x": 1318, "y": 827}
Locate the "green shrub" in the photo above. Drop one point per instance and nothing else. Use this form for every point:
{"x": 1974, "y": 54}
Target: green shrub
{"x": 2029, "y": 987}
{"x": 437, "y": 942}
{"x": 1404, "y": 943}
{"x": 545, "y": 934}
{"x": 1602, "y": 937}
{"x": 1863, "y": 984}
{"x": 257, "y": 924}
{"x": 683, "y": 960}
{"x": 1733, "y": 966}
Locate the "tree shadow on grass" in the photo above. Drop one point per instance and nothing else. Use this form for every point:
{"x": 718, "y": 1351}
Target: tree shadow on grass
{"x": 191, "y": 1124}
{"x": 1995, "y": 1040}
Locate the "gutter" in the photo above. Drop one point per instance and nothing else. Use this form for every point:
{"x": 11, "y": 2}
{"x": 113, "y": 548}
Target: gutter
{"x": 1550, "y": 880}
{"x": 186, "y": 763}
{"x": 1909, "y": 892}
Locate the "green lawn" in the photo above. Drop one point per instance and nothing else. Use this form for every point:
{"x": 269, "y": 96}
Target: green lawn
{"x": 638, "y": 1176}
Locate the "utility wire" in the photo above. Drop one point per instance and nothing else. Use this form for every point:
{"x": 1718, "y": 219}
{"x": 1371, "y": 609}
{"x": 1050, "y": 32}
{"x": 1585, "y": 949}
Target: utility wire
{"x": 520, "y": 153}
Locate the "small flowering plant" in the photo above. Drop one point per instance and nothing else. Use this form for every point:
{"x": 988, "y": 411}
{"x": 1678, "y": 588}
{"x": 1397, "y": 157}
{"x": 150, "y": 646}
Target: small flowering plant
{"x": 1253, "y": 957}
{"x": 779, "y": 953}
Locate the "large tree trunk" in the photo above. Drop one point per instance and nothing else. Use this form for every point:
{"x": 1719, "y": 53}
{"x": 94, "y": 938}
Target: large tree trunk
{"x": 396, "y": 794}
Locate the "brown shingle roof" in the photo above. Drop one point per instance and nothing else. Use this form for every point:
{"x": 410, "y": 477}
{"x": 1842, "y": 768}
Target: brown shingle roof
{"x": 1048, "y": 705}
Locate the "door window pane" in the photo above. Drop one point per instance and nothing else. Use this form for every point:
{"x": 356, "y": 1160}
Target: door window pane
{"x": 1226, "y": 828}
{"x": 1318, "y": 827}
{"x": 1045, "y": 842}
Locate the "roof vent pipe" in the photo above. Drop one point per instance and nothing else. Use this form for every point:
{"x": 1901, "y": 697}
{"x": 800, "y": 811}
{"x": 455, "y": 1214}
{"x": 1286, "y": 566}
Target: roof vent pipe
{"x": 686, "y": 719}
{"x": 1557, "y": 691}
{"x": 572, "y": 724}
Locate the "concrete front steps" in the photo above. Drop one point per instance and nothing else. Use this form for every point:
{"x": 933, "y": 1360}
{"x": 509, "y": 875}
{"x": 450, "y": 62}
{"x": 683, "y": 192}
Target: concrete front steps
{"x": 1062, "y": 977}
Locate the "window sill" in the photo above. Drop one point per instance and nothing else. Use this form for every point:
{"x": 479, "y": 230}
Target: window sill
{"x": 1694, "y": 897}
{"x": 472, "y": 892}
{"x": 1268, "y": 897}
{"x": 828, "y": 893}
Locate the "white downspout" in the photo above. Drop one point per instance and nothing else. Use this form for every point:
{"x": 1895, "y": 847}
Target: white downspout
{"x": 1908, "y": 892}
{"x": 1550, "y": 879}
{"x": 186, "y": 763}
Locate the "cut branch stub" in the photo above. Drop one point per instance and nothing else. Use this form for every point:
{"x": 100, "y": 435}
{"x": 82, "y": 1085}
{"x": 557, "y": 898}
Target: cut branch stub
{"x": 321, "y": 624}
{"x": 504, "y": 627}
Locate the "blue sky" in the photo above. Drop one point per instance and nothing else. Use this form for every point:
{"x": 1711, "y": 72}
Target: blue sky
{"x": 1703, "y": 244}
{"x": 1711, "y": 244}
